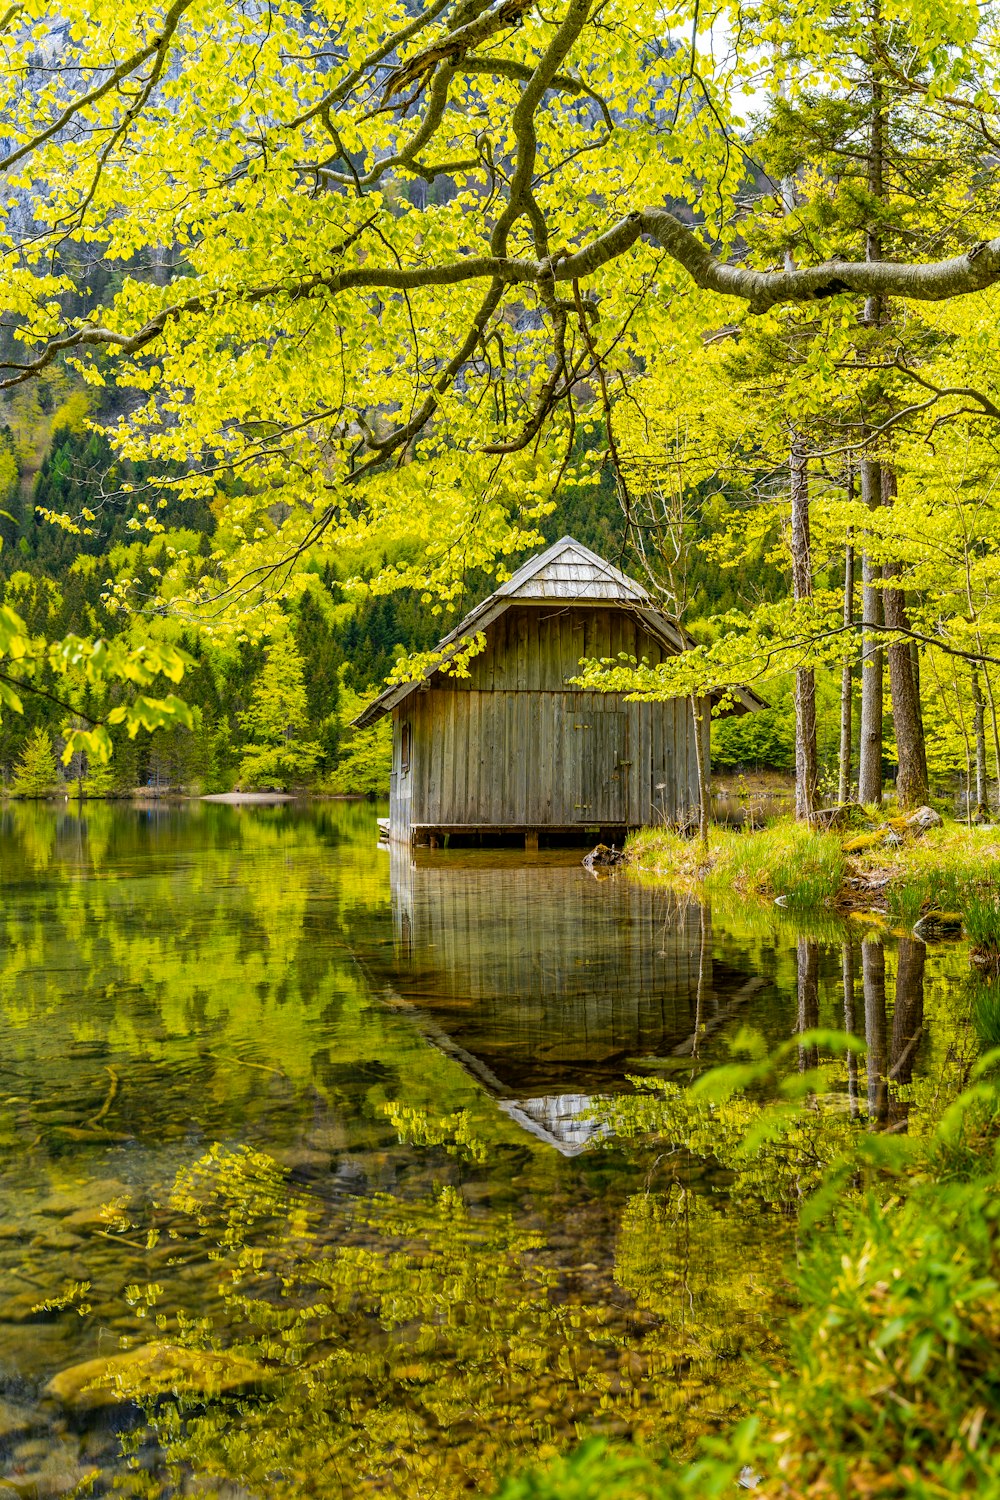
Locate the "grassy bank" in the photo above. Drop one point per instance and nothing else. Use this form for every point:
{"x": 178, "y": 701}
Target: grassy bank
{"x": 784, "y": 860}
{"x": 952, "y": 869}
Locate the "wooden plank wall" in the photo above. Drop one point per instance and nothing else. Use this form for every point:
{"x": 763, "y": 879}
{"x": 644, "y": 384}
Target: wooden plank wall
{"x": 512, "y": 745}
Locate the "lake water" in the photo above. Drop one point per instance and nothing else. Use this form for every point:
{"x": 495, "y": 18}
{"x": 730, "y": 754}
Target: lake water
{"x": 347, "y": 1148}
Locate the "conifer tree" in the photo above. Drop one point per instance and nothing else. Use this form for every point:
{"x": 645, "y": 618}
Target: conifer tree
{"x": 36, "y": 773}
{"x": 277, "y": 719}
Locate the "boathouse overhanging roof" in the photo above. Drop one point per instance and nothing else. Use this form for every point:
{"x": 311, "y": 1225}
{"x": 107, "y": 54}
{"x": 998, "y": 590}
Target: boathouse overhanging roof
{"x": 569, "y": 573}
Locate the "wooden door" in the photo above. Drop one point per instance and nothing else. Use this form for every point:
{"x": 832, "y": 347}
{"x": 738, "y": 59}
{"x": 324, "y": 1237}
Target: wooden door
{"x": 604, "y": 766}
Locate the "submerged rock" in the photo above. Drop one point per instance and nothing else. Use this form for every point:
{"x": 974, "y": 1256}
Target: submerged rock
{"x": 939, "y": 924}
{"x": 603, "y": 858}
{"x": 152, "y": 1371}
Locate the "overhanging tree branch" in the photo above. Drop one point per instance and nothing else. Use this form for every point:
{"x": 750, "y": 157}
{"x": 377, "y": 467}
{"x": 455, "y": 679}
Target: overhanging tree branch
{"x": 960, "y": 275}
{"x": 124, "y": 70}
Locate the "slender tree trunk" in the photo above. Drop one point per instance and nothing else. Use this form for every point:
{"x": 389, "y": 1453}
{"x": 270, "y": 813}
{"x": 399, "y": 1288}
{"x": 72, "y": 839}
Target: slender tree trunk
{"x": 907, "y": 719}
{"x": 979, "y": 735}
{"x": 968, "y": 750}
{"x": 870, "y": 746}
{"x": 699, "y": 759}
{"x": 873, "y": 977}
{"x": 993, "y": 725}
{"x": 805, "y": 677}
{"x": 847, "y": 687}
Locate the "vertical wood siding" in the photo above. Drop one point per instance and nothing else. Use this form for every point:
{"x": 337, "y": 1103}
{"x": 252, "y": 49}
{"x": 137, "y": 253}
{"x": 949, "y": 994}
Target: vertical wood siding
{"x": 513, "y": 745}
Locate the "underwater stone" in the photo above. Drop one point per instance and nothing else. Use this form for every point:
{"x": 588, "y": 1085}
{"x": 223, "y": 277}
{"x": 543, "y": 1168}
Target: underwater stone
{"x": 153, "y": 1371}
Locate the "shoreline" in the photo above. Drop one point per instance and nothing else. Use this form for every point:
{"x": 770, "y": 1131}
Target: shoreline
{"x": 946, "y": 878}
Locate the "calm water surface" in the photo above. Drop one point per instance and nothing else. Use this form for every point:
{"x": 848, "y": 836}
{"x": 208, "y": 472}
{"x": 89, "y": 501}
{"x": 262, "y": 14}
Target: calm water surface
{"x": 318, "y": 1138}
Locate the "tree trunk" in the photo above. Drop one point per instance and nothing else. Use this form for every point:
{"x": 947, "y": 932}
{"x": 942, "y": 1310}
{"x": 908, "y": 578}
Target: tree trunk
{"x": 870, "y": 746}
{"x": 805, "y": 677}
{"x": 907, "y": 719}
{"x": 847, "y": 687}
{"x": 979, "y": 734}
{"x": 960, "y": 715}
{"x": 991, "y": 700}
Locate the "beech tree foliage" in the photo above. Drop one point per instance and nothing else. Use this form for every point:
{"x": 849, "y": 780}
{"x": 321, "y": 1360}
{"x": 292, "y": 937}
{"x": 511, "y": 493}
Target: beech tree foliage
{"x": 394, "y": 271}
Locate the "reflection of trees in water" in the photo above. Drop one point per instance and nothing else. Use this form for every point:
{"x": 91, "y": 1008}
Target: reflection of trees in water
{"x": 907, "y": 1023}
{"x": 873, "y": 979}
{"x": 891, "y": 1052}
{"x": 807, "y": 994}
{"x": 850, "y": 1024}
{"x": 420, "y": 1347}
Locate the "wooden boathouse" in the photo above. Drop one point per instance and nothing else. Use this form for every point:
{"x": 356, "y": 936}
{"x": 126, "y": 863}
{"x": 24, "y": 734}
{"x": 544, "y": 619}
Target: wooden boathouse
{"x": 512, "y": 751}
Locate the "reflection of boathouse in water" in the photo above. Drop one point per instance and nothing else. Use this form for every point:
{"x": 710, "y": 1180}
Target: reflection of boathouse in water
{"x": 512, "y": 749}
{"x": 548, "y": 985}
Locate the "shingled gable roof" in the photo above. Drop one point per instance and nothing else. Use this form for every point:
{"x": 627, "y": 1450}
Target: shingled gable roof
{"x": 568, "y": 572}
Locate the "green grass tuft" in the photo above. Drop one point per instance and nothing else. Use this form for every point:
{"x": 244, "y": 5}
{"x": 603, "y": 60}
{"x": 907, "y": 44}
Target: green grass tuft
{"x": 986, "y": 1011}
{"x": 950, "y": 869}
{"x": 785, "y": 861}
{"x": 981, "y": 910}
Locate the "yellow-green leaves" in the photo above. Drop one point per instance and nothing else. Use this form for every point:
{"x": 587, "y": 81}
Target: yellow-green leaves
{"x": 13, "y": 633}
{"x": 61, "y": 670}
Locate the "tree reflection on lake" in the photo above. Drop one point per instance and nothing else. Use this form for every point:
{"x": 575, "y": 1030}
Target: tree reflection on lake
{"x": 364, "y": 1138}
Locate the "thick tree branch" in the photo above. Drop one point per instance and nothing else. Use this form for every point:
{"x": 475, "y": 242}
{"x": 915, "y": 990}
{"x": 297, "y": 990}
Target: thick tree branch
{"x": 563, "y": 83}
{"x": 760, "y": 290}
{"x": 500, "y": 16}
{"x": 930, "y": 282}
